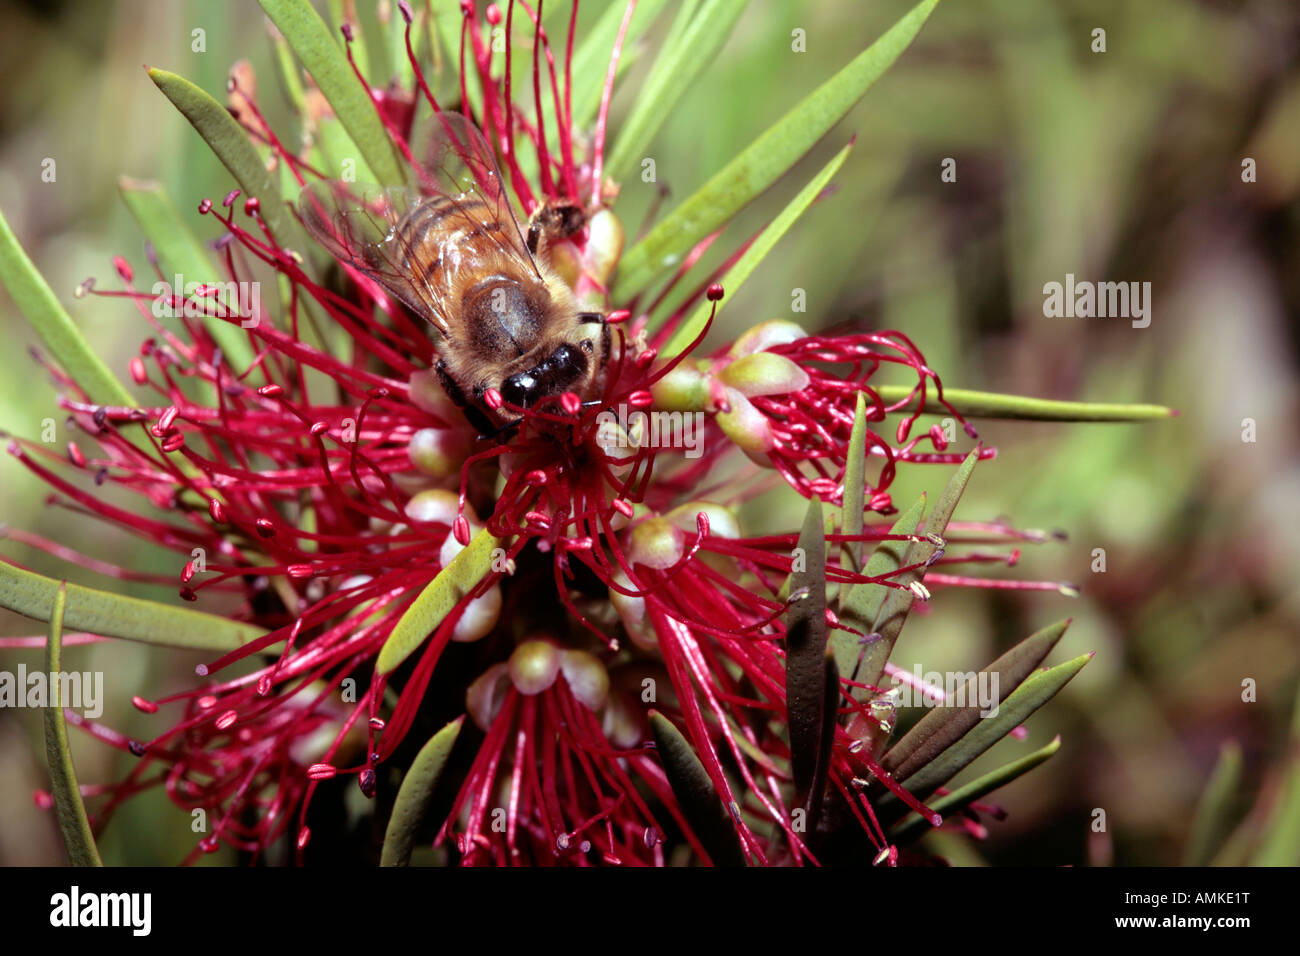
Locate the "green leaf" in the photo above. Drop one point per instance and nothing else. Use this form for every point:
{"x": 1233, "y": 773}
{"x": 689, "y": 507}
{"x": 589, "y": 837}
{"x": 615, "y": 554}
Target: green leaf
{"x": 68, "y": 808}
{"x": 964, "y": 796}
{"x": 692, "y": 45}
{"x": 115, "y": 615}
{"x": 853, "y": 501}
{"x": 180, "y": 253}
{"x": 228, "y": 140}
{"x": 860, "y": 603}
{"x": 591, "y": 58}
{"x": 437, "y": 600}
{"x": 805, "y": 650}
{"x": 322, "y": 55}
{"x": 64, "y": 341}
{"x": 943, "y": 726}
{"x": 897, "y": 604}
{"x": 756, "y": 253}
{"x": 993, "y": 405}
{"x": 1211, "y": 823}
{"x": 415, "y": 793}
{"x": 766, "y": 159}
{"x": 695, "y": 793}
{"x": 1037, "y": 690}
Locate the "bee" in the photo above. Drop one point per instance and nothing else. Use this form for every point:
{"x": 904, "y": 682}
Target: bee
{"x": 450, "y": 248}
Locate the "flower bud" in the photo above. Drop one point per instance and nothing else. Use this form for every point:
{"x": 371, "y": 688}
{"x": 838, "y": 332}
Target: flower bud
{"x": 428, "y": 395}
{"x": 632, "y": 612}
{"x": 764, "y": 373}
{"x": 747, "y": 426}
{"x": 439, "y": 452}
{"x": 684, "y": 389}
{"x": 434, "y": 506}
{"x": 534, "y": 666}
{"x": 656, "y": 543}
{"x": 587, "y": 678}
{"x": 479, "y": 617}
{"x": 484, "y": 697}
{"x": 765, "y": 335}
{"x": 604, "y": 245}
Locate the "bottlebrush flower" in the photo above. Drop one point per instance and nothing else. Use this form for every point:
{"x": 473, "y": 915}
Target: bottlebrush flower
{"x": 561, "y": 581}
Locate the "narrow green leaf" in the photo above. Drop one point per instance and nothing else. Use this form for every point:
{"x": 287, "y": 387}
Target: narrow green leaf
{"x": 964, "y": 796}
{"x": 1211, "y": 823}
{"x": 860, "y": 603}
{"x": 993, "y": 405}
{"x": 766, "y": 159}
{"x": 695, "y": 794}
{"x": 805, "y": 649}
{"x": 324, "y": 59}
{"x": 437, "y": 600}
{"x": 227, "y": 139}
{"x": 115, "y": 615}
{"x": 756, "y": 253}
{"x": 943, "y": 726}
{"x": 180, "y": 253}
{"x": 414, "y": 794}
{"x": 68, "y": 808}
{"x": 1037, "y": 690}
{"x": 64, "y": 341}
{"x": 897, "y": 604}
{"x": 853, "y": 501}
{"x": 692, "y": 45}
{"x": 591, "y": 57}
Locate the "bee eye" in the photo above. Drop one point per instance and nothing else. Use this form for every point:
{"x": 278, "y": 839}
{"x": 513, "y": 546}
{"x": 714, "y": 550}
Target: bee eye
{"x": 520, "y": 389}
{"x": 586, "y": 346}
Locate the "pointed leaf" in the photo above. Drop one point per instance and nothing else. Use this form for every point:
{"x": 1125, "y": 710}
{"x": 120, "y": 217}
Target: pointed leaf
{"x": 691, "y": 46}
{"x": 1027, "y": 698}
{"x": 894, "y": 609}
{"x": 860, "y": 603}
{"x": 853, "y": 500}
{"x": 805, "y": 650}
{"x": 115, "y": 615}
{"x": 766, "y": 159}
{"x": 414, "y": 794}
{"x": 180, "y": 253}
{"x": 943, "y": 726}
{"x": 322, "y": 54}
{"x": 68, "y": 807}
{"x": 47, "y": 317}
{"x": 756, "y": 253}
{"x": 227, "y": 139}
{"x": 461, "y": 575}
{"x": 695, "y": 793}
{"x": 964, "y": 796}
{"x": 971, "y": 404}
{"x": 1212, "y": 822}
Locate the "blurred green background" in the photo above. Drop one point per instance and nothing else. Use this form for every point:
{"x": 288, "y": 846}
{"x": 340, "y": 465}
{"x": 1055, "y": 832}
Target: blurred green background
{"x": 1124, "y": 165}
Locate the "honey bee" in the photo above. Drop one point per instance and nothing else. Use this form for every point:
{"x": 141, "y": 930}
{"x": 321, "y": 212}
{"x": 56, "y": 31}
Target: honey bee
{"x": 450, "y": 248}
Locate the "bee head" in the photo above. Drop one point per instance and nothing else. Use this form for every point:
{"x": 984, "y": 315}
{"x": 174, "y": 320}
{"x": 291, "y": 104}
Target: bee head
{"x": 558, "y": 372}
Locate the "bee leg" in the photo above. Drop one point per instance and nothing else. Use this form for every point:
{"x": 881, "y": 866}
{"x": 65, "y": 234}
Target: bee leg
{"x": 478, "y": 421}
{"x": 449, "y": 384}
{"x": 555, "y": 220}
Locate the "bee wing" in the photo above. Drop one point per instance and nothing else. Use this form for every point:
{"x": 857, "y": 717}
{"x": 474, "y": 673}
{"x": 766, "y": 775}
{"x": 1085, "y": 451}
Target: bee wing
{"x": 358, "y": 225}
{"x": 454, "y": 160}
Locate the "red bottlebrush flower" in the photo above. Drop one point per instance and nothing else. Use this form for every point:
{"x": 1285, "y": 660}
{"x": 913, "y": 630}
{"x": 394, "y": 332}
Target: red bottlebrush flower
{"x": 325, "y": 479}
